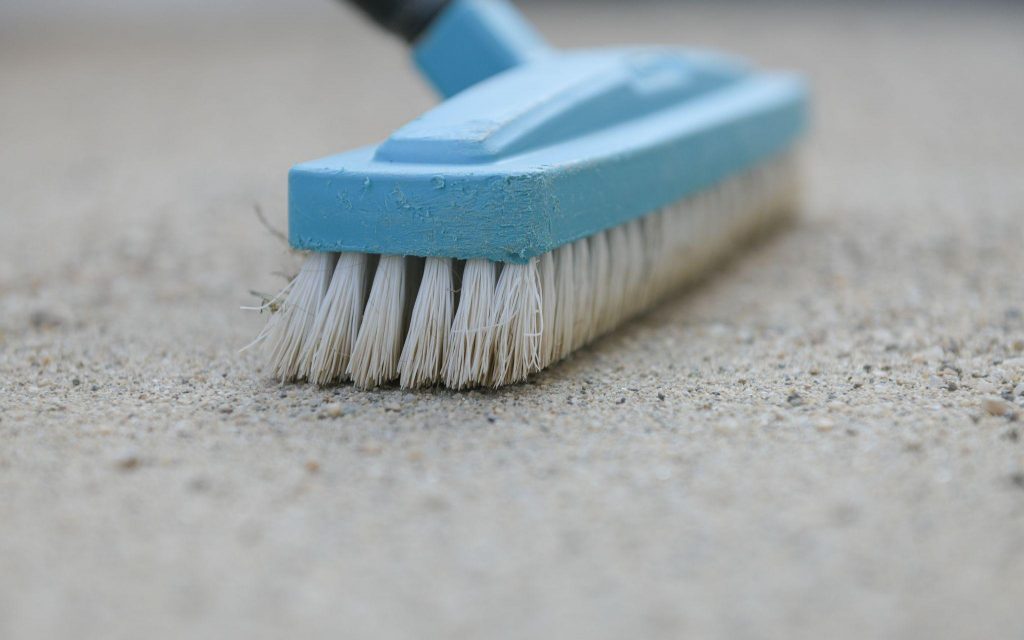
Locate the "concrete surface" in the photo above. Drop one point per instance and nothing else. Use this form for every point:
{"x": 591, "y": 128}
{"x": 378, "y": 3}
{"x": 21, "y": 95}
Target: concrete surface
{"x": 801, "y": 447}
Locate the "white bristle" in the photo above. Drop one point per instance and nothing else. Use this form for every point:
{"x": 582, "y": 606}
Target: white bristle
{"x": 600, "y": 310}
{"x": 518, "y": 323}
{"x": 637, "y": 267}
{"x": 514, "y": 319}
{"x": 468, "y": 360}
{"x": 548, "y": 296}
{"x": 654, "y": 238}
{"x": 337, "y": 321}
{"x": 378, "y": 345}
{"x": 582, "y": 294}
{"x": 618, "y": 274}
{"x": 427, "y": 337}
{"x": 565, "y": 301}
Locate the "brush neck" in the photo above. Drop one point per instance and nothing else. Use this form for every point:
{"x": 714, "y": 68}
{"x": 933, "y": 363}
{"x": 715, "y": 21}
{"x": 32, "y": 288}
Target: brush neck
{"x": 407, "y": 19}
{"x": 458, "y": 43}
{"x": 472, "y": 40}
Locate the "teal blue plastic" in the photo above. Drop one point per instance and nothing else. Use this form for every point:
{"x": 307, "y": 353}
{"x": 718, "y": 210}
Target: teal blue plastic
{"x": 473, "y": 40}
{"x": 558, "y": 147}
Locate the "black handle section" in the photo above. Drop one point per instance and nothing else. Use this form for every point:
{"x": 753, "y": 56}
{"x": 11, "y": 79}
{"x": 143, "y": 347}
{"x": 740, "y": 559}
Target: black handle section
{"x": 405, "y": 18}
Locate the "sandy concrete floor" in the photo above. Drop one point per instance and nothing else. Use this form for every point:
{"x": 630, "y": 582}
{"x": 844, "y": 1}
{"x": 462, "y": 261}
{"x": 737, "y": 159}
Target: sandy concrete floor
{"x": 799, "y": 448}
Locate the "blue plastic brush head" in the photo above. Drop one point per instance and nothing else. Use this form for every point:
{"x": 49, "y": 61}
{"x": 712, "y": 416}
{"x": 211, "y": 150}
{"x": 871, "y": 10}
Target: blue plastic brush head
{"x": 538, "y": 148}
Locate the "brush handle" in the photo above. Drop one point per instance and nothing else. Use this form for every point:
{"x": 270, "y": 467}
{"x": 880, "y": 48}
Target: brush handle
{"x": 458, "y": 43}
{"x": 407, "y": 19}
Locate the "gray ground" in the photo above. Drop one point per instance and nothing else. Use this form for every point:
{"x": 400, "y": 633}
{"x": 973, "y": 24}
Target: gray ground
{"x": 801, "y": 447}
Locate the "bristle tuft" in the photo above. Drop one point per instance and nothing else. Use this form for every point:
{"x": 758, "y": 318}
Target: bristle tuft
{"x": 378, "y": 345}
{"x": 337, "y": 321}
{"x": 583, "y": 294}
{"x": 427, "y": 338}
{"x": 548, "y": 296}
{"x": 468, "y": 359}
{"x": 291, "y": 327}
{"x": 565, "y": 302}
{"x": 518, "y": 324}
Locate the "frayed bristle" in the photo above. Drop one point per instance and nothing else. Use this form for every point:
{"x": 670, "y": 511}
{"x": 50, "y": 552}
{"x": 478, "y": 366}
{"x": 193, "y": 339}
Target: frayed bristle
{"x": 518, "y": 324}
{"x": 476, "y": 323}
{"x": 291, "y": 329}
{"x": 337, "y": 321}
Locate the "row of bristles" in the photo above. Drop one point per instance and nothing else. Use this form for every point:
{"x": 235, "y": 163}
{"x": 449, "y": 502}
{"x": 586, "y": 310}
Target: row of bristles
{"x": 424, "y": 322}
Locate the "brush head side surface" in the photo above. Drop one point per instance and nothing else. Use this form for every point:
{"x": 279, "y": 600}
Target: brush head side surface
{"x": 547, "y": 153}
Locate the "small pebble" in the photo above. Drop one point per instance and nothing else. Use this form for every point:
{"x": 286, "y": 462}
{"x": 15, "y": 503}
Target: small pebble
{"x": 1014, "y": 363}
{"x": 43, "y": 319}
{"x": 996, "y": 407}
{"x": 433, "y": 501}
{"x": 198, "y": 484}
{"x": 984, "y": 386}
{"x": 371, "y": 449}
{"x": 912, "y": 442}
{"x": 126, "y": 460}
{"x": 727, "y": 426}
{"x": 333, "y": 410}
{"x": 933, "y": 354}
{"x": 824, "y": 424}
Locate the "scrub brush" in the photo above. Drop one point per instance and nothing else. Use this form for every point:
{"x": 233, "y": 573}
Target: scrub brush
{"x": 550, "y": 197}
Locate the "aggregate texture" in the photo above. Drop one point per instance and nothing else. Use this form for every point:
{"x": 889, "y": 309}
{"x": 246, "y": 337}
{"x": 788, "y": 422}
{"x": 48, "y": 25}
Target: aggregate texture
{"x": 825, "y": 439}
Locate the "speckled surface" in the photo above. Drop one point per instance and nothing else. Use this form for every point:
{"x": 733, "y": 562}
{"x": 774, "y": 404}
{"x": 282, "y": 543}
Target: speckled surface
{"x": 804, "y": 446}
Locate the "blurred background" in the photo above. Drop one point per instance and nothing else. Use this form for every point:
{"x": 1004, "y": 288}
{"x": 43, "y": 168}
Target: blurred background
{"x": 802, "y": 447}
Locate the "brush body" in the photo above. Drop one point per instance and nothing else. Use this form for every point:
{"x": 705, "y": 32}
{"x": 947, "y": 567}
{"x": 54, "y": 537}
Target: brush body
{"x": 545, "y": 154}
{"x": 553, "y": 197}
